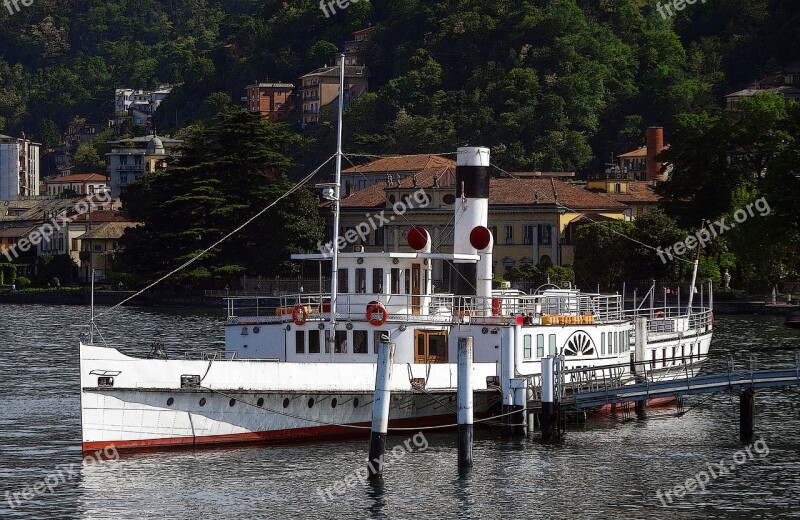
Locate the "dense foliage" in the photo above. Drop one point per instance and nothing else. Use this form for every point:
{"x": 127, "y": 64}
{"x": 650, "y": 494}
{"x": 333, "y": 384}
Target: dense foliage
{"x": 549, "y": 84}
{"x": 226, "y": 174}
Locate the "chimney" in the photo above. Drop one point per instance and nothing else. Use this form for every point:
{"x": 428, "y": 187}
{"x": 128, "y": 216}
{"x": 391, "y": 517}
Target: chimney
{"x": 655, "y": 145}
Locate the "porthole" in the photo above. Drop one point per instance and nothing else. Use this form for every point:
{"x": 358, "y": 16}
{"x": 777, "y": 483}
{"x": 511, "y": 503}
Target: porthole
{"x": 170, "y": 401}
{"x": 311, "y": 402}
{"x": 355, "y": 402}
{"x": 286, "y": 403}
{"x": 203, "y": 401}
{"x": 334, "y": 403}
{"x": 232, "y": 402}
{"x": 260, "y": 402}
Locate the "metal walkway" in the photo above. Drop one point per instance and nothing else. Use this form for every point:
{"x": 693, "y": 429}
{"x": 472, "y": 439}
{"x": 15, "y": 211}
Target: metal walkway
{"x": 703, "y": 384}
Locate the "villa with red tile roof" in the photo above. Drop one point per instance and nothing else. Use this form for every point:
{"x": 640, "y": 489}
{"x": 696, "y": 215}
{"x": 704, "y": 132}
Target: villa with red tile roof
{"x": 532, "y": 219}
{"x": 78, "y": 184}
{"x": 395, "y": 168}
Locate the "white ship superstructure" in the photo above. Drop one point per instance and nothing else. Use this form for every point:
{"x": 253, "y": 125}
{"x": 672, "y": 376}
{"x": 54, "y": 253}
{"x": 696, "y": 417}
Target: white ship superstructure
{"x": 294, "y": 371}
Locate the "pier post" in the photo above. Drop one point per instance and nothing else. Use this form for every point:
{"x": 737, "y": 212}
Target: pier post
{"x": 380, "y": 409}
{"x": 465, "y": 402}
{"x": 520, "y": 389}
{"x": 548, "y": 408}
{"x": 747, "y": 401}
{"x": 641, "y": 409}
{"x": 510, "y": 339}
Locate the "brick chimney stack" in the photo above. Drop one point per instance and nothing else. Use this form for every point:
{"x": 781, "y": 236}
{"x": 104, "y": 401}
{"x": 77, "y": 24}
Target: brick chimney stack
{"x": 655, "y": 145}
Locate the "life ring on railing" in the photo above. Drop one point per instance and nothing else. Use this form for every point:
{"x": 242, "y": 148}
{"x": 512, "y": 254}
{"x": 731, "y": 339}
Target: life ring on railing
{"x": 658, "y": 315}
{"x": 377, "y": 314}
{"x": 299, "y": 315}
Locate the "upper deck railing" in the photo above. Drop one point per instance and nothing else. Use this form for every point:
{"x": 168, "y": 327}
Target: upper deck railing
{"x": 560, "y": 308}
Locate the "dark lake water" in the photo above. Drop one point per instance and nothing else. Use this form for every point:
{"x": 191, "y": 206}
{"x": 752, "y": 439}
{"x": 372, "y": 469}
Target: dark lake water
{"x": 604, "y": 468}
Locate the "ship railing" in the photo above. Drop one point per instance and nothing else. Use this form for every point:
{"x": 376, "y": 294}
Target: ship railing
{"x": 421, "y": 307}
{"x": 672, "y": 319}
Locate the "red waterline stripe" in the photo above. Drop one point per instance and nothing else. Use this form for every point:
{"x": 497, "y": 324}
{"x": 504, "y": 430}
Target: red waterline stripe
{"x": 313, "y": 433}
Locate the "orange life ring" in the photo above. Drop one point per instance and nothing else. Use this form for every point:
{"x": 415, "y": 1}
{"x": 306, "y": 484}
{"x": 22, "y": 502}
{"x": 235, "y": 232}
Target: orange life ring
{"x": 299, "y": 315}
{"x": 376, "y": 308}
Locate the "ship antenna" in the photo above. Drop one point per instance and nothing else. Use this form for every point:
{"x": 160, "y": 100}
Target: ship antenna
{"x": 336, "y": 210}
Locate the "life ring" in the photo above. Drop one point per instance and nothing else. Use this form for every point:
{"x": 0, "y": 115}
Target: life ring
{"x": 299, "y": 315}
{"x": 659, "y": 315}
{"x": 377, "y": 308}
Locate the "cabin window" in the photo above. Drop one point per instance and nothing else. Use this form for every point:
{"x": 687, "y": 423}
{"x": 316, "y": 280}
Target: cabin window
{"x": 344, "y": 286}
{"x": 621, "y": 343}
{"x": 300, "y": 342}
{"x": 539, "y": 343}
{"x": 313, "y": 342}
{"x": 361, "y": 281}
{"x": 341, "y": 342}
{"x": 360, "y": 342}
{"x": 380, "y": 237}
{"x": 377, "y": 281}
{"x": 407, "y": 273}
{"x": 376, "y": 340}
{"x": 395, "y": 281}
{"x": 527, "y": 350}
{"x": 602, "y": 344}
{"x": 327, "y": 342}
{"x": 610, "y": 343}
{"x": 552, "y": 340}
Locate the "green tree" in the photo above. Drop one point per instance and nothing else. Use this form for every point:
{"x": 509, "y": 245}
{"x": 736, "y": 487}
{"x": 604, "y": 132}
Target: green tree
{"x": 87, "y": 160}
{"x": 225, "y": 174}
{"x": 601, "y": 253}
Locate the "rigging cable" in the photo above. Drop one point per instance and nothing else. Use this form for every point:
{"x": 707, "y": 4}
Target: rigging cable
{"x": 221, "y": 240}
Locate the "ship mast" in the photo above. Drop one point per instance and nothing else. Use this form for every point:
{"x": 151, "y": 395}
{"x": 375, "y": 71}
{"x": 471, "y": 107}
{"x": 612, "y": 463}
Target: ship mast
{"x": 337, "y": 190}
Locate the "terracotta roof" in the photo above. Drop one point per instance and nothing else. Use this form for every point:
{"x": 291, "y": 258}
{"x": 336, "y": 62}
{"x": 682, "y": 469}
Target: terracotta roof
{"x": 401, "y": 164}
{"x": 638, "y": 191}
{"x": 79, "y": 177}
{"x": 16, "y": 232}
{"x": 502, "y": 192}
{"x": 639, "y": 152}
{"x": 530, "y": 192}
{"x": 375, "y": 196}
{"x": 99, "y": 216}
{"x": 108, "y": 231}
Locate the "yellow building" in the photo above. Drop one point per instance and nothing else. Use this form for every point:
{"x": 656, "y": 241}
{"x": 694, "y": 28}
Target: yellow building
{"x": 639, "y": 196}
{"x": 532, "y": 219}
{"x": 99, "y": 247}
